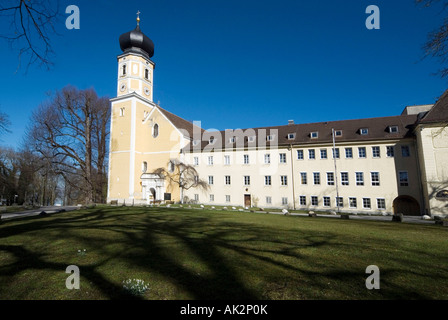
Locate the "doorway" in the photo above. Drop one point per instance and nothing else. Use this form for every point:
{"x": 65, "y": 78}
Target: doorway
{"x": 406, "y": 205}
{"x": 247, "y": 200}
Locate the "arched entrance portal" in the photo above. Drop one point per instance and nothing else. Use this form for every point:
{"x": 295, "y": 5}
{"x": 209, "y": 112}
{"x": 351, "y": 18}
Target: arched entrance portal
{"x": 153, "y": 187}
{"x": 406, "y": 205}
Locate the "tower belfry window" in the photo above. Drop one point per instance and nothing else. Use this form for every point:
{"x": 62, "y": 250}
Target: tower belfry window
{"x": 124, "y": 69}
{"x": 146, "y": 74}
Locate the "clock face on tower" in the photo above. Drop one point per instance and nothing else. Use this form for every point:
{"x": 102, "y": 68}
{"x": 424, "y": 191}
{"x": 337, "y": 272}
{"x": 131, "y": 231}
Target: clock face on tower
{"x": 122, "y": 87}
{"x": 147, "y": 91}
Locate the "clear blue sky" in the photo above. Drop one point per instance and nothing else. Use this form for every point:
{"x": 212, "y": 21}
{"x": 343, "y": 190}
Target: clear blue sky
{"x": 243, "y": 63}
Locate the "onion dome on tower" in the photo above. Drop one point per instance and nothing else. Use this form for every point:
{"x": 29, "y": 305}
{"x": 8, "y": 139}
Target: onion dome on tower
{"x": 136, "y": 41}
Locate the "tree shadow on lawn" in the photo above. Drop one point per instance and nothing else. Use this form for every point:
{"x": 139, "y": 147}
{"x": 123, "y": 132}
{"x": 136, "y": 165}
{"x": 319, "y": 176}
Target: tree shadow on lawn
{"x": 229, "y": 250}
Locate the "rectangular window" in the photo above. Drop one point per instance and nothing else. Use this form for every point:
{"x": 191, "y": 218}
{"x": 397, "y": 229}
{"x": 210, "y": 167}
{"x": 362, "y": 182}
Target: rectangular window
{"x": 227, "y": 160}
{"x": 210, "y": 160}
{"x": 284, "y": 180}
{"x": 326, "y": 201}
{"x": 268, "y": 200}
{"x": 291, "y": 136}
{"x": 393, "y": 129}
{"x": 330, "y": 178}
{"x": 284, "y": 201}
{"x": 344, "y": 178}
{"x": 323, "y": 153}
{"x": 405, "y": 152}
{"x": 390, "y": 152}
{"x": 335, "y": 153}
{"x": 196, "y": 161}
{"x": 338, "y": 133}
{"x": 362, "y": 152}
{"x": 366, "y": 203}
{"x": 227, "y": 198}
{"x": 282, "y": 157}
{"x": 348, "y": 153}
{"x": 311, "y": 154}
{"x": 359, "y": 178}
{"x": 212, "y": 197}
{"x": 404, "y": 179}
{"x": 376, "y": 152}
{"x": 314, "y": 135}
{"x": 364, "y": 131}
{"x": 375, "y": 176}
{"x": 267, "y": 158}
{"x": 267, "y": 180}
{"x": 316, "y": 177}
{"x": 314, "y": 201}
{"x": 299, "y": 154}
{"x": 303, "y": 179}
{"x": 381, "y": 203}
{"x": 246, "y": 159}
{"x": 196, "y": 197}
{"x": 210, "y": 180}
{"x": 352, "y": 202}
{"x": 302, "y": 200}
{"x": 247, "y": 180}
{"x": 339, "y": 202}
{"x": 227, "y": 180}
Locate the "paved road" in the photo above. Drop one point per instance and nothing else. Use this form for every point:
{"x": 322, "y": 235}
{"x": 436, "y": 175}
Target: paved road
{"x": 411, "y": 219}
{"x": 35, "y": 212}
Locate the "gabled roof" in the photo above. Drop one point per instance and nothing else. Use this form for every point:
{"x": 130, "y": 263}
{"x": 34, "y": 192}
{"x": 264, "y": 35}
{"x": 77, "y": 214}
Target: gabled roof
{"x": 439, "y": 112}
{"x": 180, "y": 123}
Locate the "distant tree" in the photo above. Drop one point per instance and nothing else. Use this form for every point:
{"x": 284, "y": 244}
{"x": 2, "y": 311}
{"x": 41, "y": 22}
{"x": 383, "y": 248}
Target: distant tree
{"x": 71, "y": 131}
{"x": 436, "y": 45}
{"x": 32, "y": 23}
{"x": 183, "y": 175}
{"x": 4, "y": 123}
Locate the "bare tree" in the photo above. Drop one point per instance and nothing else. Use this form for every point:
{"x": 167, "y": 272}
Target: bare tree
{"x": 71, "y": 131}
{"x": 32, "y": 22}
{"x": 183, "y": 175}
{"x": 4, "y": 123}
{"x": 436, "y": 45}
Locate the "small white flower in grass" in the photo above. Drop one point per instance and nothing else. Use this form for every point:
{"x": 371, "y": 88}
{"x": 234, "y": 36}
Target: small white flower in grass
{"x": 135, "y": 286}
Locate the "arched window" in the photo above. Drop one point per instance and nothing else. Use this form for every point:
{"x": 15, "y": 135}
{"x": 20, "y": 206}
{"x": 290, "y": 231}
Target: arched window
{"x": 155, "y": 131}
{"x": 146, "y": 74}
{"x": 144, "y": 166}
{"x": 124, "y": 69}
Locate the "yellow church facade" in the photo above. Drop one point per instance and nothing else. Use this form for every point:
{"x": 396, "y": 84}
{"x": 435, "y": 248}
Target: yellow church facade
{"x": 383, "y": 165}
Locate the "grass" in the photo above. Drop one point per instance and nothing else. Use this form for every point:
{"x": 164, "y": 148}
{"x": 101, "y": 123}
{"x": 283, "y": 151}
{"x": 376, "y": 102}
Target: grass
{"x": 202, "y": 254}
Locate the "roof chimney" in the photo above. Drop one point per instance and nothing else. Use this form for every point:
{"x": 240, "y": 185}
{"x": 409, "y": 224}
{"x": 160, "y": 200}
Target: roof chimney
{"x": 290, "y": 122}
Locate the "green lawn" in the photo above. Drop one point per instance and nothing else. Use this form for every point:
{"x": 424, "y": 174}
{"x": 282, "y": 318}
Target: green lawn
{"x": 202, "y": 254}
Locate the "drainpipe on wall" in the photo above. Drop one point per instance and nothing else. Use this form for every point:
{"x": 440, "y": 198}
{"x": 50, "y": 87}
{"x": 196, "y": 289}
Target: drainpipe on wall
{"x": 292, "y": 175}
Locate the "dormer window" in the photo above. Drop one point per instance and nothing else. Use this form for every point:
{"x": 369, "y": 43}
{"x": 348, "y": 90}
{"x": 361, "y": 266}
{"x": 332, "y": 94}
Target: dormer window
{"x": 270, "y": 138}
{"x": 291, "y": 136}
{"x": 338, "y": 133}
{"x": 393, "y": 129}
{"x": 314, "y": 135}
{"x": 364, "y": 131}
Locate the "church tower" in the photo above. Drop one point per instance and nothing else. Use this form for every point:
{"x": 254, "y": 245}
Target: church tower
{"x": 128, "y": 129}
{"x": 135, "y": 68}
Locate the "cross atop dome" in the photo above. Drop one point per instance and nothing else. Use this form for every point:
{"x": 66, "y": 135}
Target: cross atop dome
{"x": 138, "y": 17}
